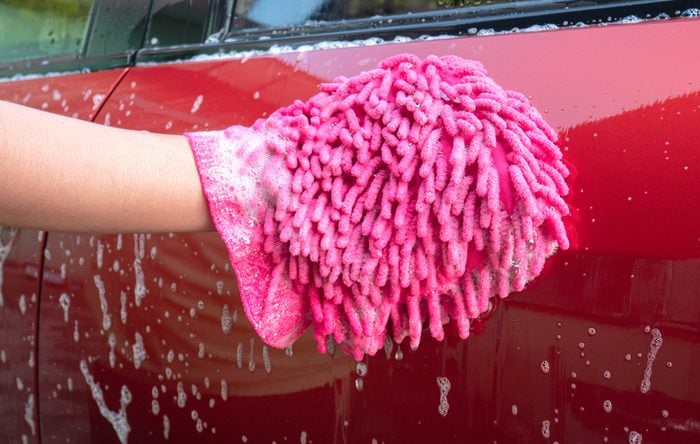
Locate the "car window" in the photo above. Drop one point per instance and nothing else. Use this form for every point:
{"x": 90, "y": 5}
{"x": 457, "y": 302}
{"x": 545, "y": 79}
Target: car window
{"x": 280, "y": 13}
{"x": 179, "y": 22}
{"x": 42, "y": 28}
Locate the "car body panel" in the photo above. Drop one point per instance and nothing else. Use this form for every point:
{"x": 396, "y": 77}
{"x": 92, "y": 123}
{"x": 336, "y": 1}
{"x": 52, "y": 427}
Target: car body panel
{"x": 602, "y": 347}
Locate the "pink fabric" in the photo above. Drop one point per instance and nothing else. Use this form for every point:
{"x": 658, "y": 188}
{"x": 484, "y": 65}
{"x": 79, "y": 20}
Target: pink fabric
{"x": 414, "y": 191}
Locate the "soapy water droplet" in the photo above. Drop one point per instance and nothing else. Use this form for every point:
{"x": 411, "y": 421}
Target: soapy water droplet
{"x": 197, "y": 103}
{"x": 64, "y": 302}
{"x": 545, "y": 366}
{"x": 545, "y": 428}
{"x": 514, "y": 409}
{"x": 634, "y": 437}
{"x": 267, "y": 363}
{"x": 444, "y": 386}
{"x": 22, "y": 303}
{"x": 166, "y": 427}
{"x": 591, "y": 331}
{"x": 239, "y": 355}
{"x": 224, "y": 389}
{"x": 181, "y": 395}
{"x": 106, "y": 317}
{"x": 359, "y": 384}
{"x": 112, "y": 342}
{"x": 654, "y": 346}
{"x": 226, "y": 320}
{"x": 361, "y": 369}
{"x": 251, "y": 356}
{"x": 139, "y": 351}
{"x": 607, "y": 406}
{"x": 256, "y": 95}
{"x": 607, "y": 374}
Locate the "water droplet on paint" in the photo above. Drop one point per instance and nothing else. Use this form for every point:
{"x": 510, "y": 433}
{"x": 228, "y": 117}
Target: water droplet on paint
{"x": 634, "y": 437}
{"x": 545, "y": 428}
{"x": 444, "y": 386}
{"x": 607, "y": 406}
{"x": 545, "y": 366}
{"x": 359, "y": 384}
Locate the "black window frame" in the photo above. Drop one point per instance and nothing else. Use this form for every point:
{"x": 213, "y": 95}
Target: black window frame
{"x": 454, "y": 22}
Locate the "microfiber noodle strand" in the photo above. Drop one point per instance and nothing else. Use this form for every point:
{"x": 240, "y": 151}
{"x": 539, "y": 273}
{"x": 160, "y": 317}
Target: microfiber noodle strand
{"x": 418, "y": 191}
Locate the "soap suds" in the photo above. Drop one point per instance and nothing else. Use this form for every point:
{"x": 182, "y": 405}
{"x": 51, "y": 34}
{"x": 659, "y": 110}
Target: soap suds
{"x": 267, "y": 363}
{"x": 22, "y": 304}
{"x": 544, "y": 366}
{"x": 226, "y": 320}
{"x": 197, "y": 103}
{"x": 139, "y": 351}
{"x": 224, "y": 390}
{"x": 545, "y": 428}
{"x": 100, "y": 253}
{"x": 444, "y": 386}
{"x": 112, "y": 356}
{"x": 119, "y": 420}
{"x": 29, "y": 413}
{"x": 251, "y": 356}
{"x": 4, "y": 253}
{"x": 607, "y": 406}
{"x": 654, "y": 346}
{"x": 634, "y": 437}
{"x": 139, "y": 252}
{"x": 166, "y": 427}
{"x": 64, "y": 302}
{"x": 122, "y": 311}
{"x": 239, "y": 355}
{"x": 181, "y": 395}
{"x": 106, "y": 317}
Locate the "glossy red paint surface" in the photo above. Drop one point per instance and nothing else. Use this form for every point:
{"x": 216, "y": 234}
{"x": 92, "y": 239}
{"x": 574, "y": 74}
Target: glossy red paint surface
{"x": 78, "y": 96}
{"x": 602, "y": 347}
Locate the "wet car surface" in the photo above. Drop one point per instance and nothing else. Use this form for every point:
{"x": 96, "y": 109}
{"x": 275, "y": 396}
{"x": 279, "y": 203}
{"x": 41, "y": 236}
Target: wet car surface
{"x": 141, "y": 337}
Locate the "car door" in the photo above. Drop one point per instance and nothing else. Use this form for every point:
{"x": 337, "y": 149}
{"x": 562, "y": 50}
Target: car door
{"x": 601, "y": 347}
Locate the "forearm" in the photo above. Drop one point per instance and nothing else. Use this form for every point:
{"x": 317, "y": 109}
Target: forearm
{"x": 68, "y": 175}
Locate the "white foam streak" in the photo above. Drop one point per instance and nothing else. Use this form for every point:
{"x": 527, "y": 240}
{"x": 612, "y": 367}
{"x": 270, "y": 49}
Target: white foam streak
{"x": 119, "y": 420}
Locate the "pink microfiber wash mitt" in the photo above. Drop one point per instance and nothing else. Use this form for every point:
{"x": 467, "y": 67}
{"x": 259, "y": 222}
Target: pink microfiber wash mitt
{"x": 414, "y": 191}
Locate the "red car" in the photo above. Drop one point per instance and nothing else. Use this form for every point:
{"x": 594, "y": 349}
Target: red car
{"x": 142, "y": 338}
